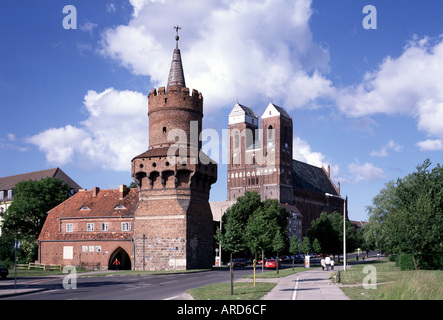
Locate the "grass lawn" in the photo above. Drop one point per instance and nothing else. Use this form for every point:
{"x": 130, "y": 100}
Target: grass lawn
{"x": 273, "y": 273}
{"x": 242, "y": 290}
{"x": 222, "y": 291}
{"x": 392, "y": 283}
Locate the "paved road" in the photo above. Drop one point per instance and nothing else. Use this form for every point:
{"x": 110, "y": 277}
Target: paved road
{"x": 125, "y": 287}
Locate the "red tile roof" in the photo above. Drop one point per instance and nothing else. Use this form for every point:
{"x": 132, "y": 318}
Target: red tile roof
{"x": 103, "y": 205}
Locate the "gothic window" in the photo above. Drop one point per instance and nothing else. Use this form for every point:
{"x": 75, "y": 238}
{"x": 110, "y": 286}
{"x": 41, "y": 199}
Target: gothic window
{"x": 270, "y": 135}
{"x": 236, "y": 140}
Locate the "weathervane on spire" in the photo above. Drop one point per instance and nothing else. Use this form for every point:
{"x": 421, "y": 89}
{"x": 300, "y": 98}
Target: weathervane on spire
{"x": 177, "y": 27}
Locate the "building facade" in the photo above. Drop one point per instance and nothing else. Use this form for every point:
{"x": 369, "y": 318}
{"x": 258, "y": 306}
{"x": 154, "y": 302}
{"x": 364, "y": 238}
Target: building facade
{"x": 166, "y": 222}
{"x": 7, "y": 185}
{"x": 91, "y": 229}
{"x": 260, "y": 160}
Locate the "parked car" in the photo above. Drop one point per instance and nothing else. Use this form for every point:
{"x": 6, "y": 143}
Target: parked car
{"x": 260, "y": 261}
{"x": 238, "y": 263}
{"x": 3, "y": 272}
{"x": 284, "y": 258}
{"x": 272, "y": 263}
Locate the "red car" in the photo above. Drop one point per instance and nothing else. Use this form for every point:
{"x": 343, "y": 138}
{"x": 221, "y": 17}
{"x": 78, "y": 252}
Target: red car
{"x": 272, "y": 263}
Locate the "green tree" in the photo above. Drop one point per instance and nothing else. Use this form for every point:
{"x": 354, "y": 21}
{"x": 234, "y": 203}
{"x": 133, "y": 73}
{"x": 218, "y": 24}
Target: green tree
{"x": 407, "y": 215}
{"x": 233, "y": 241}
{"x": 278, "y": 244}
{"x": 243, "y": 208}
{"x": 258, "y": 234}
{"x": 305, "y": 245}
{"x": 294, "y": 248}
{"x": 416, "y": 220}
{"x": 26, "y": 215}
{"x": 328, "y": 230}
{"x": 316, "y": 247}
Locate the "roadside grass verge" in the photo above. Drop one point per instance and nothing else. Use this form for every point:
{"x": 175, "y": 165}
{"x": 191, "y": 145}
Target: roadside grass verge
{"x": 392, "y": 283}
{"x": 222, "y": 291}
{"x": 273, "y": 274}
{"x": 417, "y": 285}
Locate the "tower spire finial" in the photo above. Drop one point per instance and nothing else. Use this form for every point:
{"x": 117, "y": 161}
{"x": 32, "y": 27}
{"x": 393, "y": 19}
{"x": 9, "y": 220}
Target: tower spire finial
{"x": 177, "y": 27}
{"x": 176, "y": 76}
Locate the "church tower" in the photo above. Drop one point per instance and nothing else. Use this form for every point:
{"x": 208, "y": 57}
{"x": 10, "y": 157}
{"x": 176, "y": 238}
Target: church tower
{"x": 173, "y": 220}
{"x": 276, "y": 125}
{"x": 243, "y": 139}
{"x": 260, "y": 160}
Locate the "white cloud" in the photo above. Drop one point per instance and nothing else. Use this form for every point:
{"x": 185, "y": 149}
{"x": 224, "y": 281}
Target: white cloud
{"x": 88, "y": 27}
{"x": 11, "y": 143}
{"x": 391, "y": 145}
{"x": 365, "y": 172}
{"x": 247, "y": 50}
{"x": 430, "y": 145}
{"x": 109, "y": 138}
{"x": 410, "y": 84}
{"x": 302, "y": 152}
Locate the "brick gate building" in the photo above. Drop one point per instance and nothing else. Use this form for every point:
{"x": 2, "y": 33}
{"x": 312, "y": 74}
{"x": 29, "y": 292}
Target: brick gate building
{"x": 173, "y": 226}
{"x": 164, "y": 224}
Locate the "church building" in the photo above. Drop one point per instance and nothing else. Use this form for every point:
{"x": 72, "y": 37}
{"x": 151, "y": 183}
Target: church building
{"x": 260, "y": 160}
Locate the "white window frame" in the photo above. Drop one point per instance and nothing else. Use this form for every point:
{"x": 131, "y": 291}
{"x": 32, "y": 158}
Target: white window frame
{"x": 126, "y": 226}
{"x": 69, "y": 227}
{"x": 90, "y": 227}
{"x": 104, "y": 226}
{"x": 68, "y": 252}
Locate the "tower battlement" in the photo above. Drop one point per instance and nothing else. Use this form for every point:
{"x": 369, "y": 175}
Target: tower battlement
{"x": 175, "y": 97}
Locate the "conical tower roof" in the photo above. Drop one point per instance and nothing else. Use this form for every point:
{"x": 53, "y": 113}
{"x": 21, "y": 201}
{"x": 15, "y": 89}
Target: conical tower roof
{"x": 176, "y": 76}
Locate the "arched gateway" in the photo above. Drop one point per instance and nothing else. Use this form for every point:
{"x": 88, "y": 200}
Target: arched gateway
{"x": 122, "y": 256}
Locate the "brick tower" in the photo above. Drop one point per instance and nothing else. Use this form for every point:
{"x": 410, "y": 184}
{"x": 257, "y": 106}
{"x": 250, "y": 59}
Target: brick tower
{"x": 173, "y": 221}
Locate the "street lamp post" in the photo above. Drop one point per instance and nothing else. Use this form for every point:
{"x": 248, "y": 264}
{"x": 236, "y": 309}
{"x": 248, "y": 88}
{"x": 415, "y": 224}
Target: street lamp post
{"x": 344, "y": 228}
{"x": 344, "y": 235}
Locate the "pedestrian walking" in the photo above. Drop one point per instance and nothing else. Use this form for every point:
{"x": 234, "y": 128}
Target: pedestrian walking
{"x": 328, "y": 262}
{"x": 116, "y": 263}
{"x": 323, "y": 263}
{"x": 332, "y": 264}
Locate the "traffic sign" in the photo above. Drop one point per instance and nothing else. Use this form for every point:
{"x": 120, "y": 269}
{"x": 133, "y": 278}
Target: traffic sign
{"x": 16, "y": 244}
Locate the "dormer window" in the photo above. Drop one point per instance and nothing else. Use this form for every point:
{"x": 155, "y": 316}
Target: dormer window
{"x": 119, "y": 207}
{"x": 84, "y": 208}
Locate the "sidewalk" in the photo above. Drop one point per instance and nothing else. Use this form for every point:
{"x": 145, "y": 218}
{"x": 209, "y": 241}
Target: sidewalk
{"x": 312, "y": 284}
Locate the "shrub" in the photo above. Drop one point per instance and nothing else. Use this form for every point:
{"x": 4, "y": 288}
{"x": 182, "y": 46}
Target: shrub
{"x": 405, "y": 262}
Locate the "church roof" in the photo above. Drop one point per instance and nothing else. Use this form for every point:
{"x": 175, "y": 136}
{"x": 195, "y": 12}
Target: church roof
{"x": 273, "y": 110}
{"x": 312, "y": 178}
{"x": 242, "y": 110}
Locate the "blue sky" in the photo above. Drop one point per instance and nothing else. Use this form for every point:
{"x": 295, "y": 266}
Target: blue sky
{"x": 369, "y": 103}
